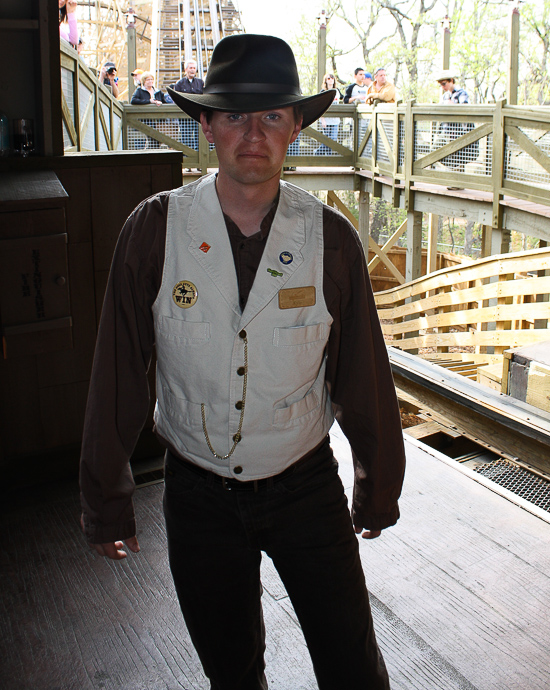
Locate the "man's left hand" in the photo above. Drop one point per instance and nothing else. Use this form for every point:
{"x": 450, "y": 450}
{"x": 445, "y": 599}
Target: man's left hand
{"x": 368, "y": 533}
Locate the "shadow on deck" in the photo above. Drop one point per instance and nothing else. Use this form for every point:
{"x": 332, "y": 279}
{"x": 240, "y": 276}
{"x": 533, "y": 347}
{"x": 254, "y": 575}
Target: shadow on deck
{"x": 458, "y": 589}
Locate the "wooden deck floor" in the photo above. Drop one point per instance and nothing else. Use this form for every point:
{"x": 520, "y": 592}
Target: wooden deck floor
{"x": 459, "y": 591}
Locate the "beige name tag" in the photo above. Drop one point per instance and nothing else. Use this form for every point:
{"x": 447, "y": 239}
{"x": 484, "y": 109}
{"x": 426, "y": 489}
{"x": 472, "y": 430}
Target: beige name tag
{"x": 292, "y": 298}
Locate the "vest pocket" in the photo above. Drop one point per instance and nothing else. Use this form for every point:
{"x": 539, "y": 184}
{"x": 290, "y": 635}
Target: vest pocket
{"x": 185, "y": 412}
{"x": 183, "y": 331}
{"x": 297, "y": 410}
{"x": 299, "y": 335}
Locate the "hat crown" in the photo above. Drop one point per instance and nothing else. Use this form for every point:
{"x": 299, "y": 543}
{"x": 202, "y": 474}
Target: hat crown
{"x": 250, "y": 63}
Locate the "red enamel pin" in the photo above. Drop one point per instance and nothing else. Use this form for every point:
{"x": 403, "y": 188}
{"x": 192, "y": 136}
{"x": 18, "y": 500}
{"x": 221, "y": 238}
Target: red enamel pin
{"x": 205, "y": 247}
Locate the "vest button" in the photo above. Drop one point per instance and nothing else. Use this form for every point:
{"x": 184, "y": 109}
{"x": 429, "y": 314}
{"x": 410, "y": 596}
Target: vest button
{"x": 238, "y": 469}
{"x": 239, "y": 405}
{"x": 240, "y": 371}
{"x": 236, "y": 439}
{"x": 242, "y": 334}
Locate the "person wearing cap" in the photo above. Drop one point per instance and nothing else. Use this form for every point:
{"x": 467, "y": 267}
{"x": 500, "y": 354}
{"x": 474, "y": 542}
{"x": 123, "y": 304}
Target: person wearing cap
{"x": 257, "y": 300}
{"x": 451, "y": 94}
{"x": 136, "y": 74}
{"x": 108, "y": 77}
{"x": 381, "y": 90}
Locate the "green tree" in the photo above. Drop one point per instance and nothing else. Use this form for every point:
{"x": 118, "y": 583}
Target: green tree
{"x": 534, "y": 46}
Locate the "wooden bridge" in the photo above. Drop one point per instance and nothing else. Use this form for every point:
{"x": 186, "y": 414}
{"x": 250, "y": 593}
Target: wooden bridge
{"x": 495, "y": 158}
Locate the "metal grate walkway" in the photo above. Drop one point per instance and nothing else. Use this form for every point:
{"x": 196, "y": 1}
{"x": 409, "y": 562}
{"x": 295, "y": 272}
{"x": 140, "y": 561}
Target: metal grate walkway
{"x": 518, "y": 480}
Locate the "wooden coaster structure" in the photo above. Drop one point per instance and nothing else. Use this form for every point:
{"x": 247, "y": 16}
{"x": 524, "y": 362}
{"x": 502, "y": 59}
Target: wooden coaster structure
{"x": 168, "y": 32}
{"x": 188, "y": 30}
{"x": 102, "y": 28}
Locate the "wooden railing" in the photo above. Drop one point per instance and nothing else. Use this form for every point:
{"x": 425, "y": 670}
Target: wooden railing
{"x": 500, "y": 149}
{"x": 473, "y": 311}
{"x": 92, "y": 118}
{"x": 504, "y": 150}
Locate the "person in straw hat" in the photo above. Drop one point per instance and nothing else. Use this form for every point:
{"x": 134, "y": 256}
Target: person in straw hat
{"x": 257, "y": 300}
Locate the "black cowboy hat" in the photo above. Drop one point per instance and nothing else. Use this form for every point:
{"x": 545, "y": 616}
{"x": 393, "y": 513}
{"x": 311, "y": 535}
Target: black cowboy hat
{"x": 249, "y": 73}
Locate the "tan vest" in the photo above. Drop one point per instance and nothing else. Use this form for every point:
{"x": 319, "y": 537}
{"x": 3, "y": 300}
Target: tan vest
{"x": 199, "y": 331}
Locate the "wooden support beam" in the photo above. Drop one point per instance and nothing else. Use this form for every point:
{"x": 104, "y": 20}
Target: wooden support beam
{"x": 414, "y": 245}
{"x": 364, "y": 220}
{"x": 433, "y": 230}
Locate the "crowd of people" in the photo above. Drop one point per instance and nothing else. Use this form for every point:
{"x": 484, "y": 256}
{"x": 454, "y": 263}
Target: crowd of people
{"x": 367, "y": 88}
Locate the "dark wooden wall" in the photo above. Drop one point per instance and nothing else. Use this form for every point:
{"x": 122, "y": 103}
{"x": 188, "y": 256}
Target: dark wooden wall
{"x": 66, "y": 214}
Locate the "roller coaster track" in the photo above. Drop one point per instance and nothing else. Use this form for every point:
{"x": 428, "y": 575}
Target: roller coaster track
{"x": 188, "y": 29}
{"x": 516, "y": 430}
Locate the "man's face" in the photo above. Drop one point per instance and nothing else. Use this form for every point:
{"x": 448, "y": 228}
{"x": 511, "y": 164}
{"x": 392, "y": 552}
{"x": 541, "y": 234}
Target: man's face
{"x": 380, "y": 77}
{"x": 446, "y": 84}
{"x": 251, "y": 147}
{"x": 191, "y": 70}
{"x": 360, "y": 78}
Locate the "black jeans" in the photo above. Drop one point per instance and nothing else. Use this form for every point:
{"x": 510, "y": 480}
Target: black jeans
{"x": 215, "y": 540}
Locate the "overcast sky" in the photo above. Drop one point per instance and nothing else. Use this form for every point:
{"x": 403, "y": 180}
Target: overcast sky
{"x": 276, "y": 19}
{"x": 283, "y": 19}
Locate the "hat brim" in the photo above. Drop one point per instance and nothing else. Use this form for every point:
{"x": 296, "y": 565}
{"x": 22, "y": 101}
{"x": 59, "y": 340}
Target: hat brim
{"x": 312, "y": 106}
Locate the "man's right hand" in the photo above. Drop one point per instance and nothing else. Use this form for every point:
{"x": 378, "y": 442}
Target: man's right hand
{"x": 114, "y": 549}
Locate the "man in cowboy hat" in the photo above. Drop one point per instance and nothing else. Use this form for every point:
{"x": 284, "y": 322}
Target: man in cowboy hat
{"x": 257, "y": 300}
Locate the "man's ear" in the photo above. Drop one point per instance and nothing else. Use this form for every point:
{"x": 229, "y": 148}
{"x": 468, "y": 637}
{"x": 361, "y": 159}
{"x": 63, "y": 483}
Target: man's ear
{"x": 297, "y": 130}
{"x": 206, "y": 128}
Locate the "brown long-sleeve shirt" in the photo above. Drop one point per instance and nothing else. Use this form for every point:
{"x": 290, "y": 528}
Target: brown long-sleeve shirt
{"x": 358, "y": 373}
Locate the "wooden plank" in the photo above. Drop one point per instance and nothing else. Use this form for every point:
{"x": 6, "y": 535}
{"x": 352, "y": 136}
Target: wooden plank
{"x": 463, "y": 557}
{"x": 506, "y": 339}
{"x": 68, "y": 120}
{"x": 537, "y": 259}
{"x": 471, "y": 317}
{"x": 388, "y": 245}
{"x": 538, "y": 386}
{"x": 515, "y": 288}
{"x": 444, "y": 583}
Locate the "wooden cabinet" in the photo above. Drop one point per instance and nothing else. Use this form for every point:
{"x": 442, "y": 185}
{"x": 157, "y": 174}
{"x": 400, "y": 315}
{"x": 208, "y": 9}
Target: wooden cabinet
{"x": 59, "y": 224}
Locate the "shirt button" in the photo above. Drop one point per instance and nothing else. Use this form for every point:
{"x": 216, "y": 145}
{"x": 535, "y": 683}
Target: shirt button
{"x": 240, "y": 371}
{"x": 238, "y": 469}
{"x": 242, "y": 334}
{"x": 239, "y": 405}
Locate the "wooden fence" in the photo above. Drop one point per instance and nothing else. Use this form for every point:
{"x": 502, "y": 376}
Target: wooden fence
{"x": 504, "y": 150}
{"x": 92, "y": 118}
{"x": 501, "y": 149}
{"x": 472, "y": 311}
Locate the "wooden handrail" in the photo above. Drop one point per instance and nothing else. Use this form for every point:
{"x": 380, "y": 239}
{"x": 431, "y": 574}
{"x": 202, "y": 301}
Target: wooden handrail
{"x": 488, "y": 303}
{"x": 92, "y": 117}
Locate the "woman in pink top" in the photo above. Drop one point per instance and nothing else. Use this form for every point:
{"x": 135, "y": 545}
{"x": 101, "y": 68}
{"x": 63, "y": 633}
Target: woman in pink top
{"x": 68, "y": 30}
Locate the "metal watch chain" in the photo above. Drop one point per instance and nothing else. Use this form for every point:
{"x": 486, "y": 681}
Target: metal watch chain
{"x": 237, "y": 436}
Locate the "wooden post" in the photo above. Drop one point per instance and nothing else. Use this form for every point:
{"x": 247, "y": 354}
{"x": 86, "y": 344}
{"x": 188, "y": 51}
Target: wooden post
{"x": 409, "y": 154}
{"x": 498, "y": 161}
{"x": 486, "y": 239}
{"x": 446, "y": 42}
{"x": 542, "y": 323}
{"x": 364, "y": 220}
{"x": 433, "y": 228}
{"x": 132, "y": 52}
{"x": 321, "y": 49}
{"x": 414, "y": 245}
{"x": 513, "y": 57}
